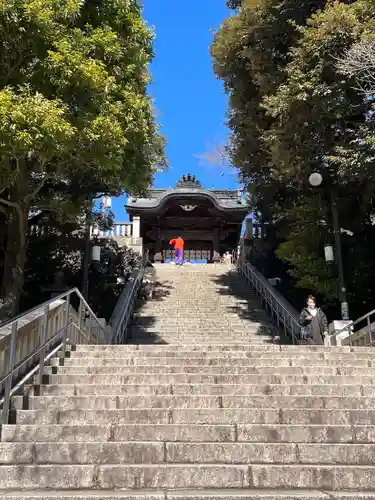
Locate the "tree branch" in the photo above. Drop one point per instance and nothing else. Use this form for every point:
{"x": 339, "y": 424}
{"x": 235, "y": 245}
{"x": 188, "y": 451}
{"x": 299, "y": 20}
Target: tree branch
{"x": 10, "y": 203}
{"x": 28, "y": 198}
{"x": 3, "y": 211}
{"x": 359, "y": 63}
{"x": 18, "y": 209}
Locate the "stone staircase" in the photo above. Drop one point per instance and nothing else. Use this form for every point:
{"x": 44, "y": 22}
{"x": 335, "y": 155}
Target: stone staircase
{"x": 202, "y": 303}
{"x": 199, "y": 415}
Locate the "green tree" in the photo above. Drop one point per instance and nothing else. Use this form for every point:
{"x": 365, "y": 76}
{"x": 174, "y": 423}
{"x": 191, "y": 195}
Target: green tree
{"x": 250, "y": 53}
{"x": 322, "y": 120}
{"x": 75, "y": 116}
{"x": 294, "y": 109}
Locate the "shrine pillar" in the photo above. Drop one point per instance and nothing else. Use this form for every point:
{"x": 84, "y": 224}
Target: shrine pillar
{"x": 158, "y": 256}
{"x": 216, "y": 245}
{"x": 136, "y": 227}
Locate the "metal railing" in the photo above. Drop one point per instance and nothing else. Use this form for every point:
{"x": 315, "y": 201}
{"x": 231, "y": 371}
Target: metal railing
{"x": 126, "y": 303}
{"x": 29, "y": 340}
{"x": 285, "y": 315}
{"x": 356, "y": 333}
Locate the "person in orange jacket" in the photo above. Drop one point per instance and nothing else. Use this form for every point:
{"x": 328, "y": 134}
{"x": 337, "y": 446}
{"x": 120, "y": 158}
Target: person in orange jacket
{"x": 178, "y": 244}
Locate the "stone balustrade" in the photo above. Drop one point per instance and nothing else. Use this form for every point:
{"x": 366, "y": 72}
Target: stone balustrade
{"x": 119, "y": 229}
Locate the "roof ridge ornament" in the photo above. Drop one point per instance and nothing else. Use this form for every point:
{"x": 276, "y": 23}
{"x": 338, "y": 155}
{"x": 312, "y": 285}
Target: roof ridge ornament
{"x": 188, "y": 208}
{"x": 188, "y": 181}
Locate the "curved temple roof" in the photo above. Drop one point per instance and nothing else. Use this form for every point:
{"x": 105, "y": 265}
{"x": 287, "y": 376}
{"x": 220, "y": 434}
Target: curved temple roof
{"x": 188, "y": 187}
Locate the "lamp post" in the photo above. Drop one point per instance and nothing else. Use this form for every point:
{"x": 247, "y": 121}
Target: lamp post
{"x": 316, "y": 180}
{"x": 87, "y": 250}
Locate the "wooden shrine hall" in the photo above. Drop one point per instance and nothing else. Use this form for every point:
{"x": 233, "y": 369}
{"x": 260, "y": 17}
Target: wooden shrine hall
{"x": 208, "y": 220}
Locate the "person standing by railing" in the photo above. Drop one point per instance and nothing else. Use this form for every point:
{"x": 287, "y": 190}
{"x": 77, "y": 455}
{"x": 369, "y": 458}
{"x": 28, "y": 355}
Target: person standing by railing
{"x": 178, "y": 244}
{"x": 226, "y": 258}
{"x": 313, "y": 322}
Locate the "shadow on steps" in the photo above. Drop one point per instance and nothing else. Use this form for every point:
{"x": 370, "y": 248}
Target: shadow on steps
{"x": 138, "y": 332}
{"x": 249, "y": 306}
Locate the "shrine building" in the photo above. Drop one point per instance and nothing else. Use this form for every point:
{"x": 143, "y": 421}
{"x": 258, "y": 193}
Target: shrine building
{"x": 209, "y": 220}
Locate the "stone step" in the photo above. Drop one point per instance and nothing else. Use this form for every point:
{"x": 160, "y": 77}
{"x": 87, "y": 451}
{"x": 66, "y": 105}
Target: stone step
{"x": 204, "y": 300}
{"x": 198, "y": 296}
{"x": 329, "y": 477}
{"x": 196, "y": 331}
{"x": 185, "y": 337}
{"x": 257, "y": 433}
{"x": 198, "y": 378}
{"x": 161, "y": 341}
{"x": 131, "y": 351}
{"x": 80, "y": 453}
{"x": 204, "y": 297}
{"x": 183, "y": 316}
{"x": 230, "y": 306}
{"x": 210, "y": 330}
{"x": 200, "y": 317}
{"x": 185, "y": 334}
{"x": 208, "y": 324}
{"x": 186, "y": 329}
{"x": 207, "y": 327}
{"x": 198, "y": 416}
{"x": 214, "y": 370}
{"x": 211, "y": 361}
{"x": 170, "y": 401}
{"x": 187, "y": 303}
{"x": 293, "y": 350}
{"x": 226, "y": 316}
{"x": 175, "y": 494}
{"x": 201, "y": 389}
{"x": 195, "y": 293}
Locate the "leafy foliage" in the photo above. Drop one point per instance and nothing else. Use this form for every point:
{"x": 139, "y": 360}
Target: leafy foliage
{"x": 75, "y": 117}
{"x": 59, "y": 247}
{"x": 296, "y": 106}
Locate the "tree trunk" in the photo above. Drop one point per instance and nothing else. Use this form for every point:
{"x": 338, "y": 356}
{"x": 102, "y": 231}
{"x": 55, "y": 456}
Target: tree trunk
{"x": 15, "y": 252}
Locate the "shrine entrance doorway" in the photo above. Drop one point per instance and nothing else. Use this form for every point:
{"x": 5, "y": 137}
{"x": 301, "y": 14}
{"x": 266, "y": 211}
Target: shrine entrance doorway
{"x": 209, "y": 220}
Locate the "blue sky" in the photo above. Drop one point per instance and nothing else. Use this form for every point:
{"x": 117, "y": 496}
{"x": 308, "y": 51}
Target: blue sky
{"x": 190, "y": 102}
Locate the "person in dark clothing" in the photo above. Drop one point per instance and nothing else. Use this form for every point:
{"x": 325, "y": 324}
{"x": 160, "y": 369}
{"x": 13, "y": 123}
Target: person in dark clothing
{"x": 313, "y": 322}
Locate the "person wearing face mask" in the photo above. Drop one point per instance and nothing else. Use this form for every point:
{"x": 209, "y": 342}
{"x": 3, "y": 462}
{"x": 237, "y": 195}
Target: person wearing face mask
{"x": 313, "y": 322}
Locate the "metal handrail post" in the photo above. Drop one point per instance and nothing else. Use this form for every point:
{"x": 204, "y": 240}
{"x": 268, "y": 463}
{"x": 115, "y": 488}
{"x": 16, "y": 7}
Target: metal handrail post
{"x": 67, "y": 321}
{"x": 125, "y": 314}
{"x": 43, "y": 339}
{"x": 369, "y": 329}
{"x": 80, "y": 313}
{"x": 8, "y": 382}
{"x": 62, "y": 296}
{"x": 89, "y": 328}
